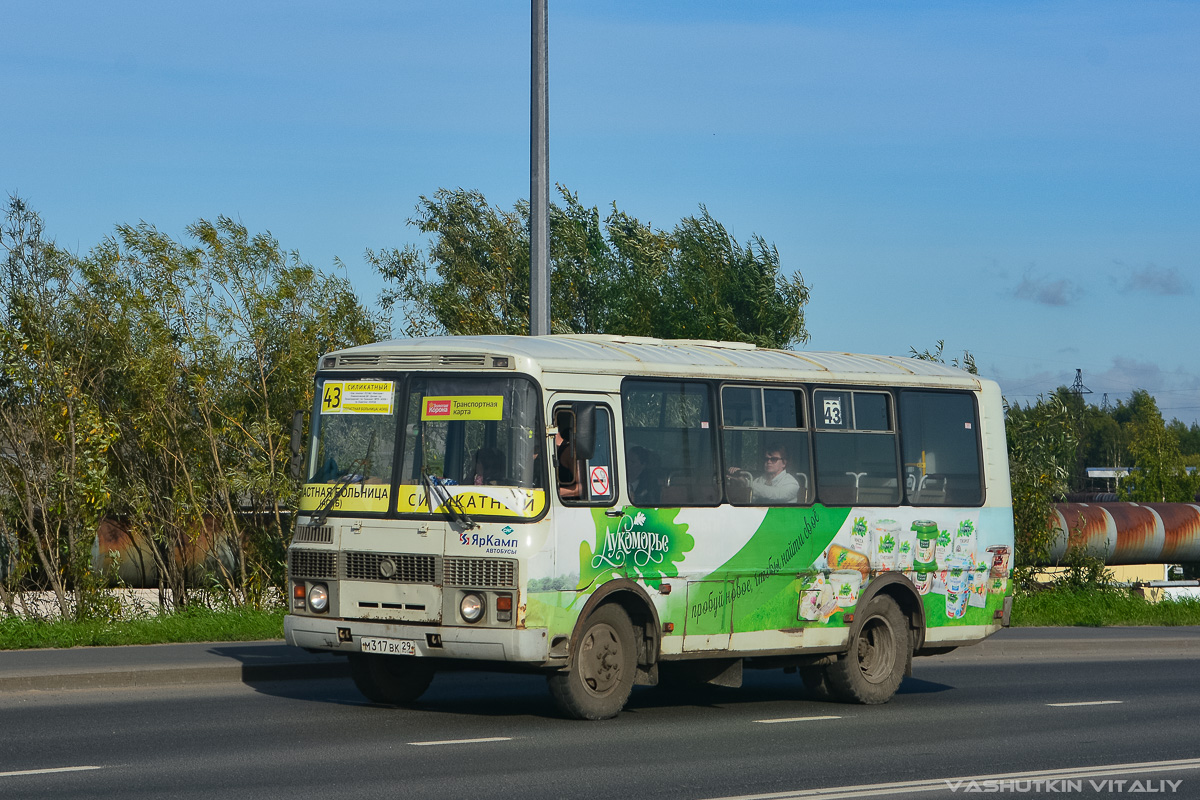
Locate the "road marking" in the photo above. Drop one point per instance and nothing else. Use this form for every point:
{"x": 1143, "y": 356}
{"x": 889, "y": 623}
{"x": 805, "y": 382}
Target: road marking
{"x": 792, "y": 719}
{"x": 1088, "y": 703}
{"x": 463, "y": 741}
{"x": 962, "y": 783}
{"x": 49, "y": 771}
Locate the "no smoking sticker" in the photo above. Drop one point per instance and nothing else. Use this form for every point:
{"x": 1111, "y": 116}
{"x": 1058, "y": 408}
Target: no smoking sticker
{"x": 599, "y": 476}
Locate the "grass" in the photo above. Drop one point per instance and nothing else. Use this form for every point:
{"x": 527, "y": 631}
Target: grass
{"x": 1095, "y": 608}
{"x": 1055, "y": 607}
{"x": 192, "y": 625}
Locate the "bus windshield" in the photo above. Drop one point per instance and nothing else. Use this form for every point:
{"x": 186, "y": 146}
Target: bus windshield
{"x": 472, "y": 441}
{"x": 353, "y": 446}
{"x": 472, "y": 432}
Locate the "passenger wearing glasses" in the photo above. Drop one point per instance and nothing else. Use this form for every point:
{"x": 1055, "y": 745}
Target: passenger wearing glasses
{"x": 776, "y": 484}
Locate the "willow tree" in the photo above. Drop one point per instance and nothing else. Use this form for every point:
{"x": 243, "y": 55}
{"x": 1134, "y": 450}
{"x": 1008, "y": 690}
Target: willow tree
{"x": 56, "y": 434}
{"x": 613, "y": 274}
{"x": 151, "y": 381}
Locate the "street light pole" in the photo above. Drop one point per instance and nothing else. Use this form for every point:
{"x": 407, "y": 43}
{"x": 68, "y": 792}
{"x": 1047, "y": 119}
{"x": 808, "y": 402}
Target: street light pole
{"x": 539, "y": 177}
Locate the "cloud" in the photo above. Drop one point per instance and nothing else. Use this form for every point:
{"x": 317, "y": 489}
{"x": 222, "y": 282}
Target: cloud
{"x": 1156, "y": 280}
{"x": 1050, "y": 293}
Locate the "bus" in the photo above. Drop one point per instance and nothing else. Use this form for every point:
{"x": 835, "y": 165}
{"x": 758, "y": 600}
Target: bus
{"x": 610, "y": 510}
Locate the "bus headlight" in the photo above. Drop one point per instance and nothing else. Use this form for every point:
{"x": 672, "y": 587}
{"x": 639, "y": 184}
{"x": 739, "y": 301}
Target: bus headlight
{"x": 471, "y": 607}
{"x": 318, "y": 598}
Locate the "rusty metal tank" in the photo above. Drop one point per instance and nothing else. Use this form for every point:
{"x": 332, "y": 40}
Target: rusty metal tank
{"x": 128, "y": 557}
{"x": 1129, "y": 533}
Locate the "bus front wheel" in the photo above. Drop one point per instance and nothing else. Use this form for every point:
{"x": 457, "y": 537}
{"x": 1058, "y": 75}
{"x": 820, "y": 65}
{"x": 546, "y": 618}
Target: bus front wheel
{"x": 603, "y": 667}
{"x": 871, "y": 670}
{"x": 390, "y": 680}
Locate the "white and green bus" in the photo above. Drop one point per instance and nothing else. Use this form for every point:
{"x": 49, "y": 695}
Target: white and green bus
{"x": 602, "y": 509}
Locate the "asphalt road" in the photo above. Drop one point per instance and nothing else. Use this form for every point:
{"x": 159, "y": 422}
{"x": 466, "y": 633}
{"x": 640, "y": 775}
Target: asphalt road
{"x": 1026, "y": 701}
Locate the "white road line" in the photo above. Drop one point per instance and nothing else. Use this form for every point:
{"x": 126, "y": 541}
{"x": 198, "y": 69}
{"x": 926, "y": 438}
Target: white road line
{"x": 45, "y": 771}
{"x": 792, "y": 719}
{"x": 961, "y": 783}
{"x": 463, "y": 741}
{"x": 1088, "y": 703}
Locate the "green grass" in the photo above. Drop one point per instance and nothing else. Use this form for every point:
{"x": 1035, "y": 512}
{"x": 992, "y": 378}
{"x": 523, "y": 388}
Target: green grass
{"x": 1061, "y": 607}
{"x": 193, "y": 625}
{"x": 1100, "y": 607}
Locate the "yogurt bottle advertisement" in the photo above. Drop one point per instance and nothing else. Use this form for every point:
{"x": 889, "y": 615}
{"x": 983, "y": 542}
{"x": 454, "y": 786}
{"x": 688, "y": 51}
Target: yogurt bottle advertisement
{"x": 959, "y": 564}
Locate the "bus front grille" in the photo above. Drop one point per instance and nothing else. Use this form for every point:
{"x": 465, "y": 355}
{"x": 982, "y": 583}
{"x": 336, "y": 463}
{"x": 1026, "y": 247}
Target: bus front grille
{"x": 482, "y": 573}
{"x": 397, "y": 567}
{"x": 312, "y": 564}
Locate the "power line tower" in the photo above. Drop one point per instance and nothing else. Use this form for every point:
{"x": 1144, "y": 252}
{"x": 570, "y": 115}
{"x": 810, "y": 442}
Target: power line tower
{"x": 1077, "y": 388}
{"x": 1104, "y": 403}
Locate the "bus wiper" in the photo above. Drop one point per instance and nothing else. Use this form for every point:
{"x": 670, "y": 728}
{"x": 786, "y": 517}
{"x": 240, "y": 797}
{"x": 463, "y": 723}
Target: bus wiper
{"x": 357, "y": 474}
{"x": 327, "y": 505}
{"x": 456, "y": 514}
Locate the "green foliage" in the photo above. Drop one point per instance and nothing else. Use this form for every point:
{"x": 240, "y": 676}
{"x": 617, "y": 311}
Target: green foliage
{"x": 152, "y": 381}
{"x": 1041, "y": 454}
{"x": 1096, "y": 607}
{"x": 966, "y": 362}
{"x": 1134, "y": 434}
{"x": 56, "y": 435}
{"x": 617, "y": 275}
{"x": 1158, "y": 473}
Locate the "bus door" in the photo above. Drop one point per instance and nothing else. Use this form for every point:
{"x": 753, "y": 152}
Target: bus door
{"x": 584, "y": 478}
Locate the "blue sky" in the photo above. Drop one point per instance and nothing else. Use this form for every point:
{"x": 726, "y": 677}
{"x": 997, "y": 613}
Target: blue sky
{"x": 1020, "y": 179}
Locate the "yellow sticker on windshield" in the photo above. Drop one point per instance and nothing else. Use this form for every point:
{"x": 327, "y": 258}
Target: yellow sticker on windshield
{"x": 486, "y": 501}
{"x": 358, "y": 397}
{"x": 435, "y": 409}
{"x": 370, "y": 497}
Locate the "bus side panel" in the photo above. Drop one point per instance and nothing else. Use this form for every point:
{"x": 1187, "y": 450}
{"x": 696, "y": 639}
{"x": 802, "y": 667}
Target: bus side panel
{"x": 759, "y": 579}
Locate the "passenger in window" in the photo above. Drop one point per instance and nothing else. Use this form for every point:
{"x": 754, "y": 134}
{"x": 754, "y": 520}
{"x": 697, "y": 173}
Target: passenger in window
{"x": 642, "y": 468}
{"x": 569, "y": 487}
{"x": 489, "y": 467}
{"x": 776, "y": 484}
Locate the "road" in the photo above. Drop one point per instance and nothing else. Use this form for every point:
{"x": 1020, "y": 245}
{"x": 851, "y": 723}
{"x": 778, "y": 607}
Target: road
{"x": 1032, "y": 700}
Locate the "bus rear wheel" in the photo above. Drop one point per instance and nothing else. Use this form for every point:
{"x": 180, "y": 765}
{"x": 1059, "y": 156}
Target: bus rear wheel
{"x": 390, "y": 680}
{"x": 871, "y": 670}
{"x": 603, "y": 667}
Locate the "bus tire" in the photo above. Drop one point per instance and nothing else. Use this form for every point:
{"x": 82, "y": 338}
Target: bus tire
{"x": 603, "y": 667}
{"x": 390, "y": 680}
{"x": 871, "y": 670}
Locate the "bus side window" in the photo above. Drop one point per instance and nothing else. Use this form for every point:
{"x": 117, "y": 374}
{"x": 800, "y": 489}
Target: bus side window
{"x": 584, "y": 479}
{"x": 673, "y": 422}
{"x": 940, "y": 448}
{"x": 855, "y": 448}
{"x": 765, "y": 446}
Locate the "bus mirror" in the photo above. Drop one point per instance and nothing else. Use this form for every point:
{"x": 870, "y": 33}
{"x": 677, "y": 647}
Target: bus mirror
{"x": 584, "y": 435}
{"x": 297, "y": 461}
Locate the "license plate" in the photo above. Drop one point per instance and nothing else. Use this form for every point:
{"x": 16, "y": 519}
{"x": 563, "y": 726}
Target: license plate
{"x": 391, "y": 647}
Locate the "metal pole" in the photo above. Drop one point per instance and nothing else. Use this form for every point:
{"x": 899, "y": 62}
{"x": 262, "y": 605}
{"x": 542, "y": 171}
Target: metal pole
{"x": 539, "y": 178}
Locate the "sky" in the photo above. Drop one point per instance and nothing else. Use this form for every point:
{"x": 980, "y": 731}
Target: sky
{"x": 1019, "y": 179}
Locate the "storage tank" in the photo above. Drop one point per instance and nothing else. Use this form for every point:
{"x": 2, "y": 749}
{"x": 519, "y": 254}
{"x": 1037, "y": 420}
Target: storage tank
{"x": 209, "y": 551}
{"x": 1128, "y": 533}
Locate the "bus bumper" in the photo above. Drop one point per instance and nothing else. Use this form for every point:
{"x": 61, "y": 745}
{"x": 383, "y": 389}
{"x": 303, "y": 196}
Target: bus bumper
{"x": 477, "y": 644}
